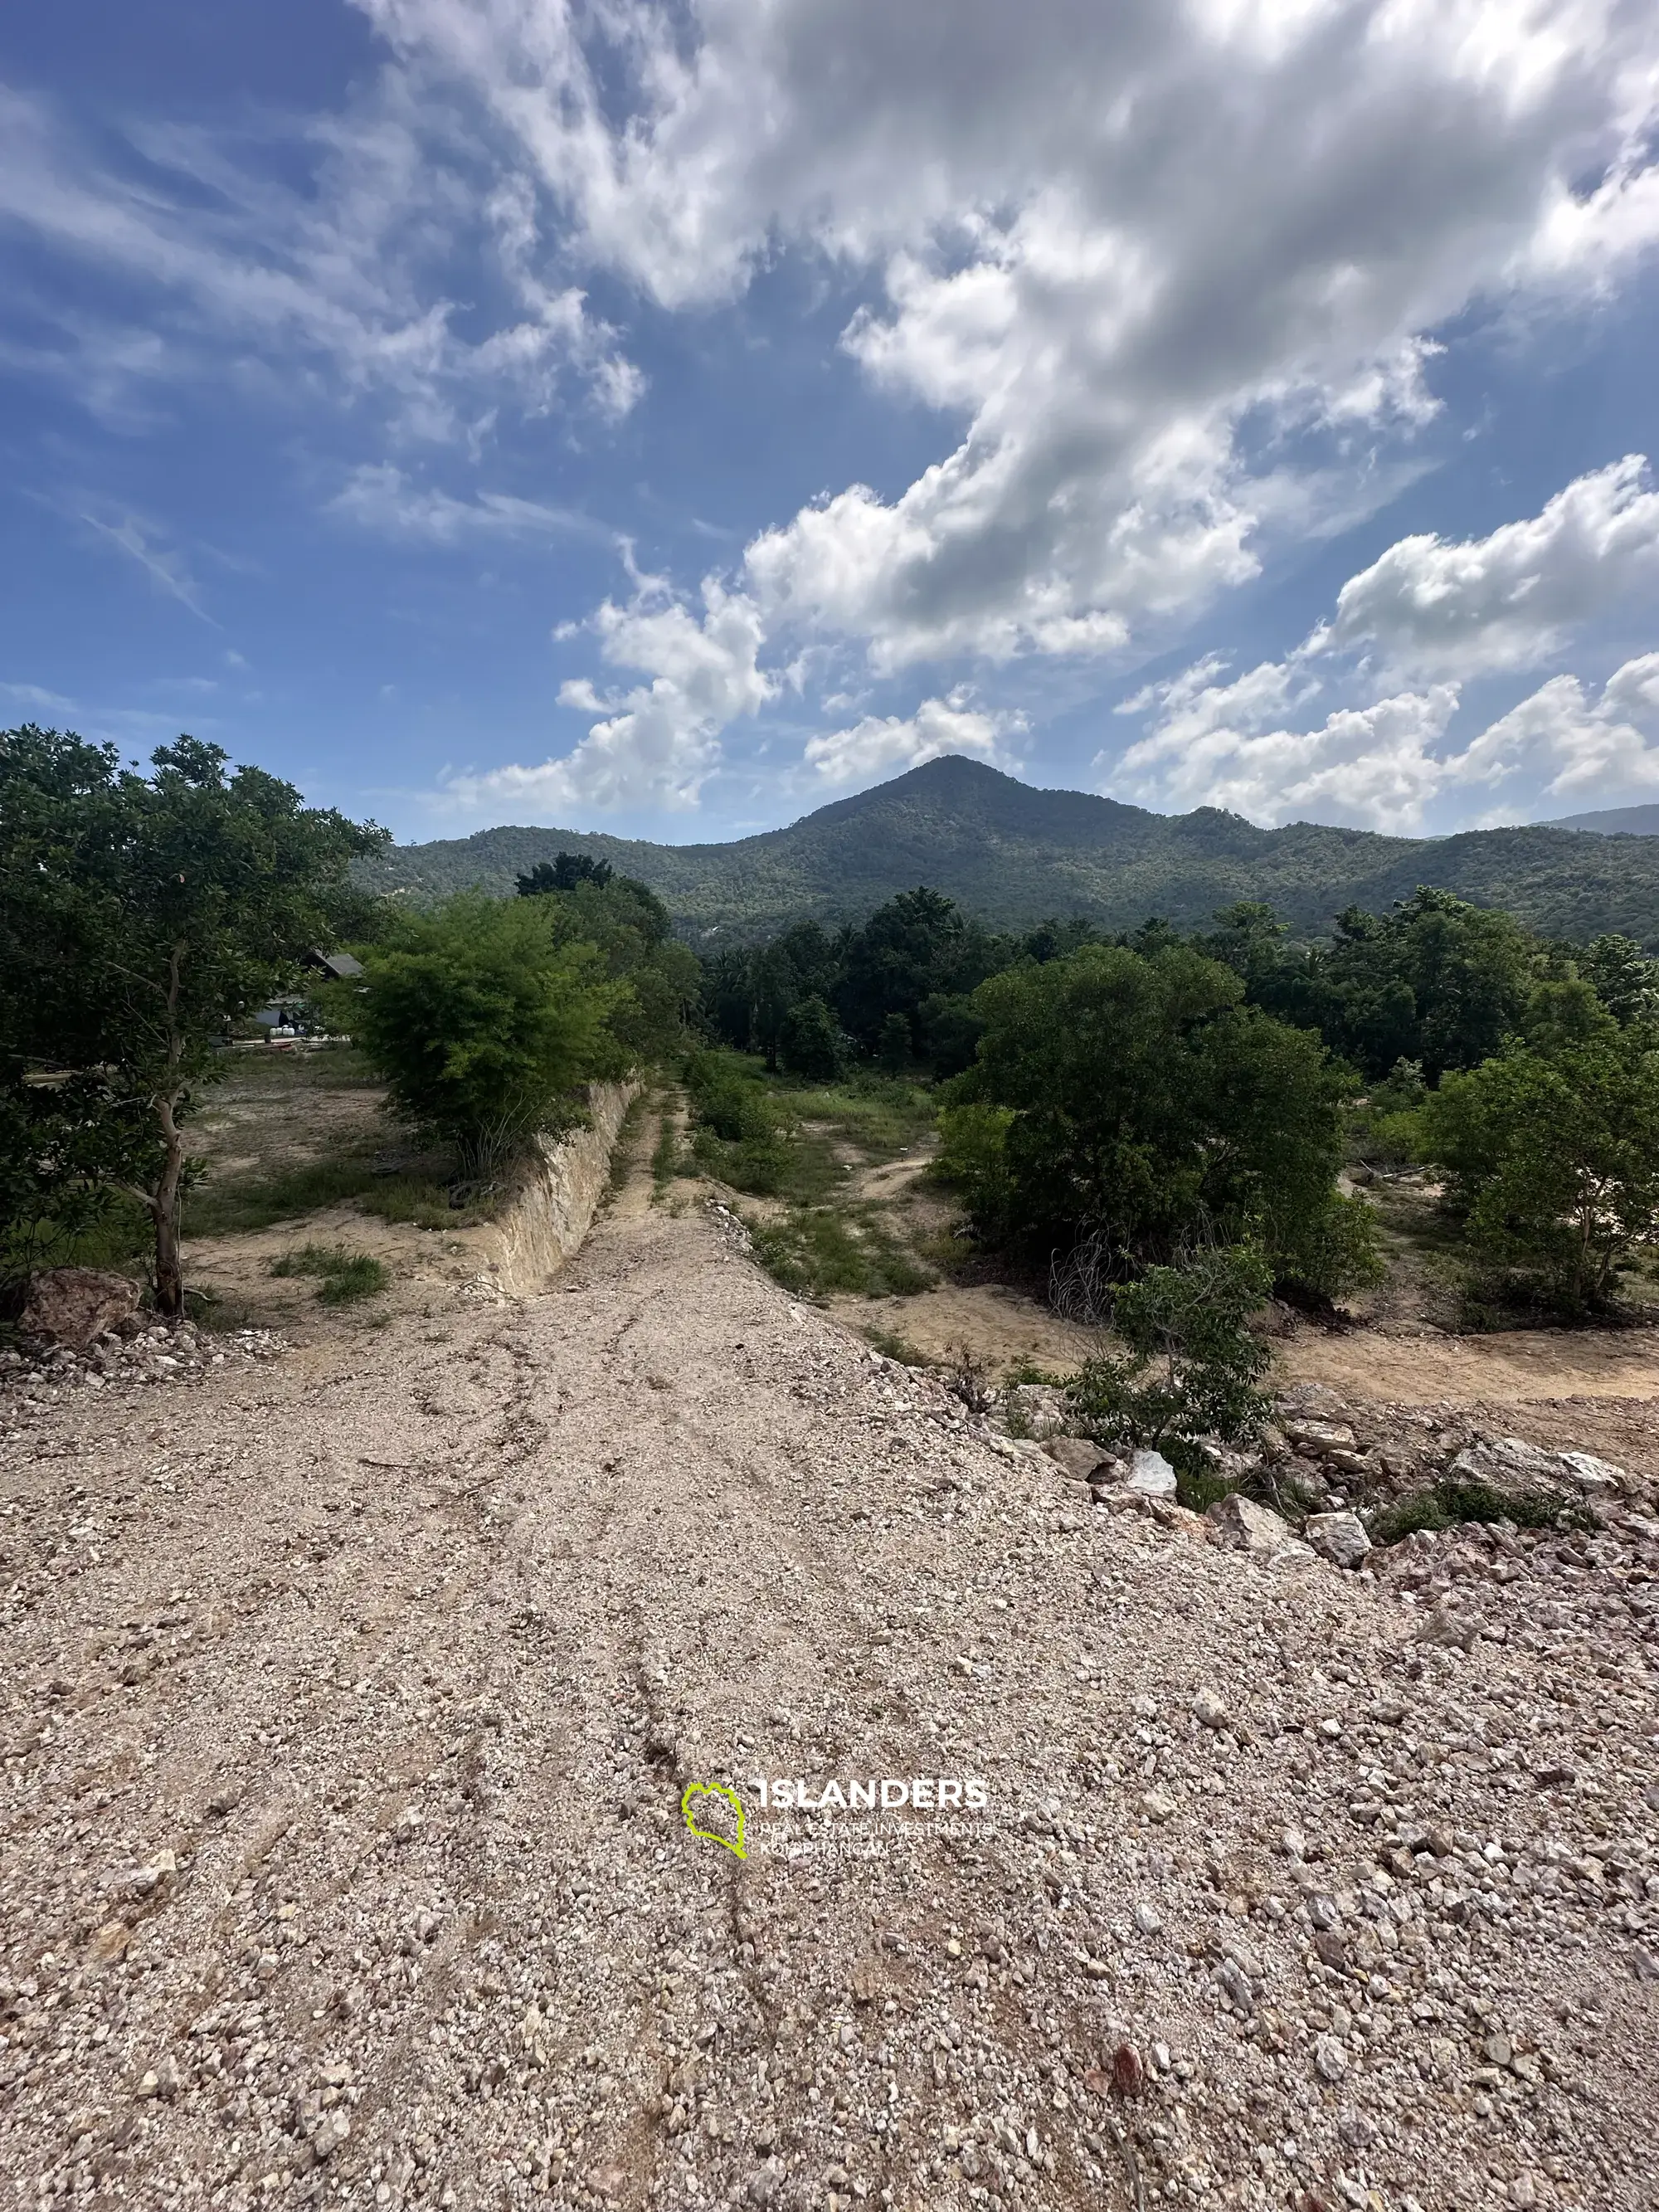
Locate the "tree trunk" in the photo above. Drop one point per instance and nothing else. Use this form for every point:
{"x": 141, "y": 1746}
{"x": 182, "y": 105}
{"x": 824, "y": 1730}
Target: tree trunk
{"x": 164, "y": 1210}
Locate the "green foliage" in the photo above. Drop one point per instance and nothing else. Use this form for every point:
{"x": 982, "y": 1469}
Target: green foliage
{"x": 141, "y": 917}
{"x": 817, "y": 1251}
{"x": 348, "y": 1277}
{"x": 1553, "y": 1161}
{"x": 893, "y": 1045}
{"x": 742, "y": 1133}
{"x": 1147, "y": 1105}
{"x": 564, "y": 874}
{"x": 1458, "y": 1498}
{"x": 892, "y": 1345}
{"x": 1192, "y": 1362}
{"x": 973, "y": 1155}
{"x": 482, "y": 1023}
{"x": 809, "y": 1043}
{"x": 1622, "y": 977}
{"x": 917, "y": 946}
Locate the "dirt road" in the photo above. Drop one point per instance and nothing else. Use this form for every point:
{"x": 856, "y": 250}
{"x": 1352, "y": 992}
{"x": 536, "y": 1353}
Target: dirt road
{"x": 349, "y": 1706}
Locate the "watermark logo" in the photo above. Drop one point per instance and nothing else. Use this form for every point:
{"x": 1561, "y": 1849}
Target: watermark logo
{"x": 690, "y": 1805}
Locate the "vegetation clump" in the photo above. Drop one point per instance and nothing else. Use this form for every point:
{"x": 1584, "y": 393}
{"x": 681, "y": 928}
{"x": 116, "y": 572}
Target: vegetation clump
{"x": 1458, "y": 1498}
{"x": 348, "y": 1277}
{"x": 1192, "y": 1364}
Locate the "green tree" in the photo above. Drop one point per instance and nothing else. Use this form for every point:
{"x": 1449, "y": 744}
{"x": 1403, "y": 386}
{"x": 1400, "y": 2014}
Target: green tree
{"x": 810, "y": 1045}
{"x": 631, "y": 927}
{"x": 140, "y": 917}
{"x": 565, "y": 874}
{"x": 1146, "y": 1102}
{"x": 1552, "y": 1160}
{"x": 484, "y": 1019}
{"x": 1192, "y": 1362}
{"x": 1437, "y": 981}
{"x": 1622, "y": 977}
{"x": 916, "y": 945}
{"x": 893, "y": 1045}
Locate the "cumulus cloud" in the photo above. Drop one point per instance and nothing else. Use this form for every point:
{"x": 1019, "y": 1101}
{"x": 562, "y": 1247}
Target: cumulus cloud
{"x": 1381, "y": 767}
{"x": 1101, "y": 239}
{"x": 1510, "y": 601}
{"x": 1571, "y": 747}
{"x": 878, "y": 744}
{"x": 656, "y": 743}
{"x": 1370, "y": 766}
{"x": 1428, "y": 609}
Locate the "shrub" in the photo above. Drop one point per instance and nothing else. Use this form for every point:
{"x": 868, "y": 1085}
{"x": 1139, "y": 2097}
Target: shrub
{"x": 347, "y": 1277}
{"x": 810, "y": 1042}
{"x": 1457, "y": 1498}
{"x": 1146, "y": 1106}
{"x": 482, "y": 1024}
{"x": 1192, "y": 1362}
{"x": 1553, "y": 1161}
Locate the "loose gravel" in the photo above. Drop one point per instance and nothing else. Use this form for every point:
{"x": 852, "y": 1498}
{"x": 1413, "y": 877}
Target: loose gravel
{"x": 351, "y": 1697}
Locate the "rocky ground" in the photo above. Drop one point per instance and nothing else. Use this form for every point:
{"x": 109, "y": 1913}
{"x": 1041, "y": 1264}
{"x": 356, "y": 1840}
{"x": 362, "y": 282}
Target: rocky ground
{"x": 352, "y": 1695}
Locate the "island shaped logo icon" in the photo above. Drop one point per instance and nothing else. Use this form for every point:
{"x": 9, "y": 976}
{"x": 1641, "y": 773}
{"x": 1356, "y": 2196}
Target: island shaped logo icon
{"x": 691, "y": 1804}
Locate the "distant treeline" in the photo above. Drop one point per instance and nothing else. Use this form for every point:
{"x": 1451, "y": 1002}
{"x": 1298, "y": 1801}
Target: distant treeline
{"x": 1435, "y": 982}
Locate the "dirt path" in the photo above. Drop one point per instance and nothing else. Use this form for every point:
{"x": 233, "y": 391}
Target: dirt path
{"x": 1510, "y": 1370}
{"x": 348, "y": 1711}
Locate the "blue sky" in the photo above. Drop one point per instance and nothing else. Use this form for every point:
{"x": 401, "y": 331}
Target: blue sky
{"x": 669, "y": 419}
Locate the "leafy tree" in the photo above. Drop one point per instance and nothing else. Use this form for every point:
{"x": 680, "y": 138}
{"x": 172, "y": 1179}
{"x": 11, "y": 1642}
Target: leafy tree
{"x": 630, "y": 926}
{"x": 1145, "y": 1102}
{"x": 1437, "y": 981}
{"x": 1622, "y": 977}
{"x": 1192, "y": 1363}
{"x": 893, "y": 1045}
{"x": 918, "y": 944}
{"x": 950, "y": 1031}
{"x": 140, "y": 917}
{"x": 566, "y": 874}
{"x": 810, "y": 1044}
{"x": 1553, "y": 1159}
{"x": 483, "y": 1018}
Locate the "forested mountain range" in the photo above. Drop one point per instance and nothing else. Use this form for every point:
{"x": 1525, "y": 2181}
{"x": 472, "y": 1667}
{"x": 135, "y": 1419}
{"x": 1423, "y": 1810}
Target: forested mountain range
{"x": 1014, "y": 855}
{"x": 1613, "y": 821}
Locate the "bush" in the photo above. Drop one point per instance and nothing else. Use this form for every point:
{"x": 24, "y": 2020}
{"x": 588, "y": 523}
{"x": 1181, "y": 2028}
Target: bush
{"x": 1553, "y": 1161}
{"x": 482, "y": 1024}
{"x": 810, "y": 1042}
{"x": 1146, "y": 1107}
{"x": 817, "y": 1253}
{"x": 1192, "y": 1362}
{"x": 347, "y": 1277}
{"x": 1458, "y": 1498}
{"x": 743, "y": 1135}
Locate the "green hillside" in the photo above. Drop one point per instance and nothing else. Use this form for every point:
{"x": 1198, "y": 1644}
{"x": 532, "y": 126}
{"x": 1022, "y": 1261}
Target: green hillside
{"x": 1613, "y": 821}
{"x": 1013, "y": 855}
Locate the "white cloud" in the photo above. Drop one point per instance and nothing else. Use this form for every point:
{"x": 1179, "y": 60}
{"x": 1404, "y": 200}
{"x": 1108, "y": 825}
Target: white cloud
{"x": 1427, "y": 609}
{"x": 1103, "y": 237}
{"x": 341, "y": 280}
{"x": 166, "y": 567}
{"x": 1571, "y": 748}
{"x": 382, "y": 498}
{"x": 655, "y": 744}
{"x": 879, "y": 745}
{"x": 1510, "y": 601}
{"x": 1381, "y": 767}
{"x": 1370, "y": 767}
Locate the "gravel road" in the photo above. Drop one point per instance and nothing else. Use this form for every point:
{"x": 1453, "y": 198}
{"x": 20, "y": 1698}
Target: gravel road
{"x": 351, "y": 1695}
